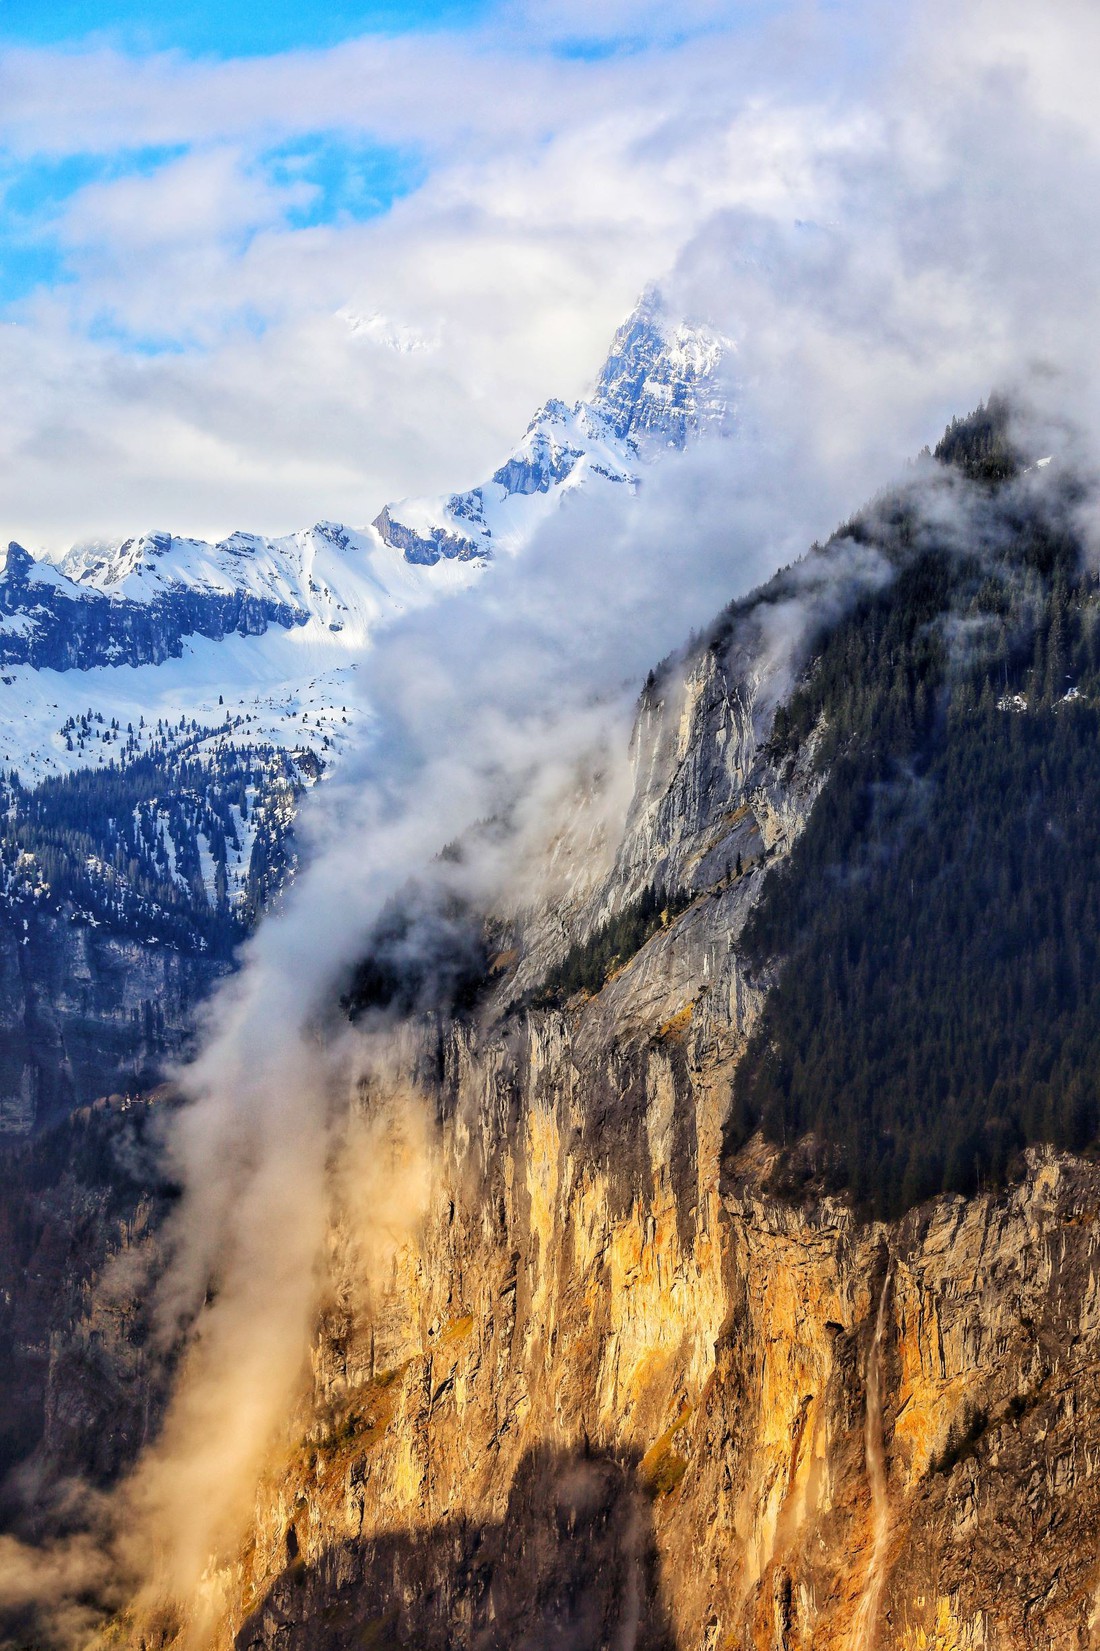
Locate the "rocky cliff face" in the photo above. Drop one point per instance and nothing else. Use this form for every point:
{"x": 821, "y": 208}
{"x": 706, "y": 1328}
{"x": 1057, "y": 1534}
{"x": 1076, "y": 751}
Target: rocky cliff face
{"x": 77, "y": 1383}
{"x": 85, "y": 1012}
{"x": 622, "y": 1389}
{"x": 669, "y": 1413}
{"x": 658, "y": 383}
{"x": 51, "y": 623}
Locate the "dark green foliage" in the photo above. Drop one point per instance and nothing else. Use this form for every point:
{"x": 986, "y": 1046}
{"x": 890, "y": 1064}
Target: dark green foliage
{"x": 428, "y": 951}
{"x": 124, "y": 844}
{"x": 938, "y": 1004}
{"x": 115, "y": 1148}
{"x": 877, "y": 677}
{"x": 587, "y": 965}
{"x": 942, "y": 1004}
{"x": 980, "y": 445}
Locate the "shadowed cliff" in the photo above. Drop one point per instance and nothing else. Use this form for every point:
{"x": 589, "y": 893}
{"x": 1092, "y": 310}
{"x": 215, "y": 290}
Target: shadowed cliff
{"x": 572, "y": 1566}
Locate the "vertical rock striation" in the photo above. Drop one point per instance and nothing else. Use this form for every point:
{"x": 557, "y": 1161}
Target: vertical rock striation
{"x": 620, "y": 1391}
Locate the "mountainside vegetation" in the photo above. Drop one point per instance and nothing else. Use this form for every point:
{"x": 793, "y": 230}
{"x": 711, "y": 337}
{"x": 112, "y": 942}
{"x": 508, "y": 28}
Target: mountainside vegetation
{"x": 170, "y": 848}
{"x": 589, "y": 964}
{"x": 427, "y": 952}
{"x": 935, "y": 929}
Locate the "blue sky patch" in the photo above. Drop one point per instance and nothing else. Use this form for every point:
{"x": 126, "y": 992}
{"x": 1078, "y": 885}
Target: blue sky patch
{"x": 105, "y": 329}
{"x": 244, "y": 28}
{"x": 340, "y": 180}
{"x": 29, "y": 188}
{"x": 26, "y": 267}
{"x": 345, "y": 180}
{"x": 32, "y": 196}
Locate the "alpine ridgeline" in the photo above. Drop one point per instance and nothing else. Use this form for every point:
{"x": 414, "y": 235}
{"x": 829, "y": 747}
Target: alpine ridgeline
{"x": 752, "y": 1299}
{"x": 164, "y": 702}
{"x": 660, "y": 385}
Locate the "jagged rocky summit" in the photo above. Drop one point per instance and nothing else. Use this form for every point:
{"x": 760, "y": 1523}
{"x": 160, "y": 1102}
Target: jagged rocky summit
{"x": 135, "y": 601}
{"x": 663, "y": 383}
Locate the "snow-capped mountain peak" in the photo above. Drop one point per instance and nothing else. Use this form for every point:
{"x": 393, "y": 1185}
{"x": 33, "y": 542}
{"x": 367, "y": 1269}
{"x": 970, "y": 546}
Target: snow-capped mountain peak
{"x": 662, "y": 381}
{"x": 301, "y": 607}
{"x": 106, "y": 563}
{"x": 660, "y": 386}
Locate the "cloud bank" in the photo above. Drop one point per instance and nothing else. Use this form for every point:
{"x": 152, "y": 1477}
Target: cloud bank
{"x": 216, "y": 267}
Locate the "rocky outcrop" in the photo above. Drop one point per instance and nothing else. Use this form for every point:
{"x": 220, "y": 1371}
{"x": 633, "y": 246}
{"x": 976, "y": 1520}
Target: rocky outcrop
{"x": 85, "y": 1012}
{"x": 545, "y": 461}
{"x": 428, "y": 547}
{"x": 660, "y": 386}
{"x": 661, "y": 381}
{"x": 692, "y": 1369}
{"x": 49, "y": 622}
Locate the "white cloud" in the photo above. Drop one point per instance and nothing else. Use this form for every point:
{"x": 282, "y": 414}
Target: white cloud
{"x": 555, "y": 191}
{"x": 555, "y": 188}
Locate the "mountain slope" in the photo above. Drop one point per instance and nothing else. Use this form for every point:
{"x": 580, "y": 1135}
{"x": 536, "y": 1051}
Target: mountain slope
{"x": 200, "y": 688}
{"x": 618, "y": 1379}
{"x": 626, "y": 1383}
{"x": 937, "y": 1006}
{"x": 163, "y": 711}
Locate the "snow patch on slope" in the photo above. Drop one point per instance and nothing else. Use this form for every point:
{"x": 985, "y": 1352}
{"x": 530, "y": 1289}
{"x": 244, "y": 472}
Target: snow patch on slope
{"x": 291, "y": 688}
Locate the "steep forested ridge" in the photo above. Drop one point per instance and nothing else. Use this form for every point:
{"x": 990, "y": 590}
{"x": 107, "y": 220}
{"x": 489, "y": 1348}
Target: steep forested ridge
{"x": 605, "y": 1382}
{"x": 589, "y": 963}
{"x": 935, "y": 929}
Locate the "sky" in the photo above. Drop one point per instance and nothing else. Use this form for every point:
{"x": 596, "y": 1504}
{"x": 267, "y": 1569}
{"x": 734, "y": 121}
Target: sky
{"x": 252, "y": 26}
{"x": 271, "y": 263}
{"x": 267, "y": 263}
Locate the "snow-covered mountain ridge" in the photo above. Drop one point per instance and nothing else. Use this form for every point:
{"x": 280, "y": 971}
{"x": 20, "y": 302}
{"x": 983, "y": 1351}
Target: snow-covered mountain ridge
{"x": 134, "y": 603}
{"x": 164, "y": 701}
{"x": 660, "y": 385}
{"x": 264, "y": 631}
{"x": 267, "y": 629}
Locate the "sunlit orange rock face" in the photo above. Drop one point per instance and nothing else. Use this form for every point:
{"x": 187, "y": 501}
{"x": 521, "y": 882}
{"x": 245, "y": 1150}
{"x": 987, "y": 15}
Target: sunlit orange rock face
{"x": 630, "y": 1387}
{"x": 611, "y": 1389}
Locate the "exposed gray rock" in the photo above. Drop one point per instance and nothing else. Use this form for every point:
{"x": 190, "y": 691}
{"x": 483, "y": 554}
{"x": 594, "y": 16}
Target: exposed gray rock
{"x": 424, "y": 548}
{"x": 85, "y": 1012}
